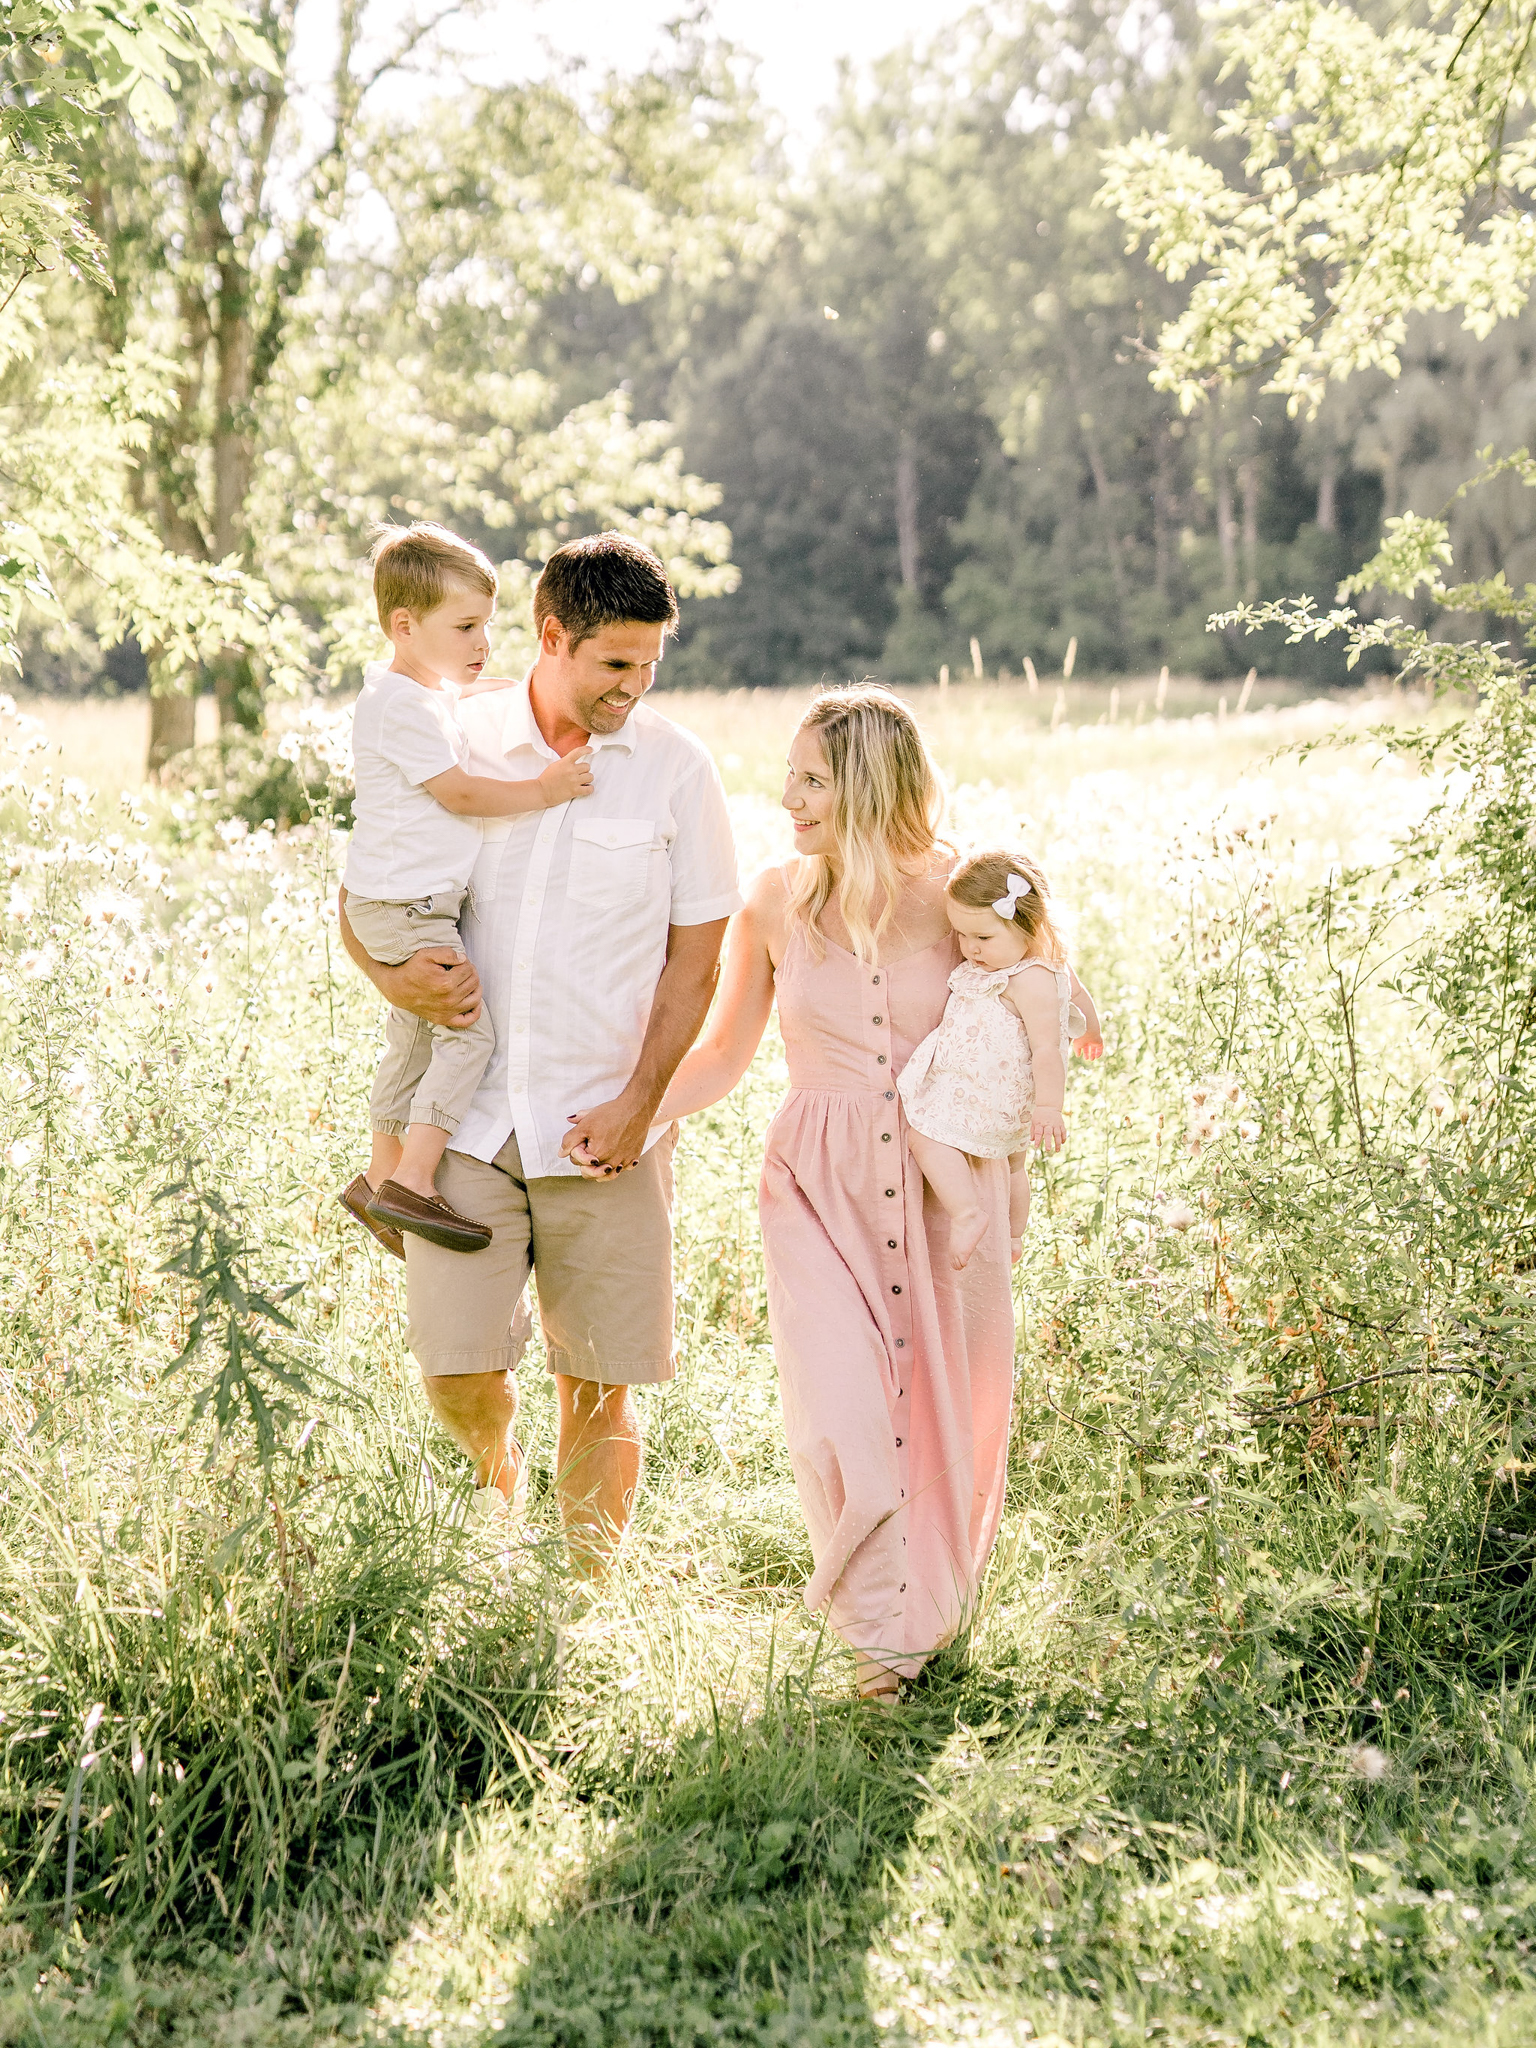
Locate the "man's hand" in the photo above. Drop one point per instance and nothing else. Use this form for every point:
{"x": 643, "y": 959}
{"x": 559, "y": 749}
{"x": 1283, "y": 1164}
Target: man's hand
{"x": 605, "y": 1140}
{"x": 436, "y": 984}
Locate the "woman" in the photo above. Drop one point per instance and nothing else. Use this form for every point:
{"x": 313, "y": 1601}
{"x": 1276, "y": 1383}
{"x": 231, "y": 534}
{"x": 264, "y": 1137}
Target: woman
{"x": 895, "y": 1371}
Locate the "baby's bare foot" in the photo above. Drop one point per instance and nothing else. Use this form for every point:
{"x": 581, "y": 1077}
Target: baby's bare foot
{"x": 966, "y": 1230}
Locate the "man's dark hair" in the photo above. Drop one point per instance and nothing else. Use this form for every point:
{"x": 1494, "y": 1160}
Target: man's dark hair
{"x": 603, "y": 579}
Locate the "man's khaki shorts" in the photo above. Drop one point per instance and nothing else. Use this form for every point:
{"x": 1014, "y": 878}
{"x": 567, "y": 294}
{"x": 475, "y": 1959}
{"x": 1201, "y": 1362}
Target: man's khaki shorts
{"x": 602, "y": 1254}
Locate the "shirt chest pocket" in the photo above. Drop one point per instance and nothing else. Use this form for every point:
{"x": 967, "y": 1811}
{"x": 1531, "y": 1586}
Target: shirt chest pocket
{"x": 610, "y": 864}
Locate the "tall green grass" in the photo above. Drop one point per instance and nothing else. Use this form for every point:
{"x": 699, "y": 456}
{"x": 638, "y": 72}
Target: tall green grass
{"x": 1239, "y": 1746}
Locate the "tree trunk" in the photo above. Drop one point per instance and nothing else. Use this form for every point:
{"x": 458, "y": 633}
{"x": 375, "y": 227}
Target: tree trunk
{"x": 1101, "y": 490}
{"x": 1327, "y": 488}
{"x": 1162, "y": 517}
{"x": 172, "y": 724}
{"x": 1226, "y": 525}
{"x": 907, "y": 550}
{"x": 1250, "y": 483}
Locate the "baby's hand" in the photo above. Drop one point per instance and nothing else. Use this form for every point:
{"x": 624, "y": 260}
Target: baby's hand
{"x": 1047, "y": 1129}
{"x": 564, "y": 780}
{"x": 1090, "y": 1046}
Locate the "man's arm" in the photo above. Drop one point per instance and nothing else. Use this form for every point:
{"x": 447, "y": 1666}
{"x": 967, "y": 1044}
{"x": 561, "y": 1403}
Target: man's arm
{"x": 436, "y": 983}
{"x": 612, "y": 1136}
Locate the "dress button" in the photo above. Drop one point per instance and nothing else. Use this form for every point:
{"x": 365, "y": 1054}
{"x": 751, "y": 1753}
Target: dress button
{"x": 879, "y": 1020}
{"x": 901, "y": 1343}
{"x": 890, "y": 1191}
{"x": 885, "y": 1137}
{"x": 891, "y": 1243}
{"x": 890, "y": 1094}
{"x": 880, "y": 1058}
{"x": 895, "y": 1290}
{"x": 898, "y": 1443}
{"x": 877, "y": 981}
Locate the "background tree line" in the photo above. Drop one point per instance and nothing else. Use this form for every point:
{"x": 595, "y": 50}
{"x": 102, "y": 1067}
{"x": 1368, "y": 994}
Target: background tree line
{"x": 867, "y": 412}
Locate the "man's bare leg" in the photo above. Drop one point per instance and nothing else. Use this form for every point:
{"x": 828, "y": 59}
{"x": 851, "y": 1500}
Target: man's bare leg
{"x": 478, "y": 1410}
{"x": 597, "y": 1469}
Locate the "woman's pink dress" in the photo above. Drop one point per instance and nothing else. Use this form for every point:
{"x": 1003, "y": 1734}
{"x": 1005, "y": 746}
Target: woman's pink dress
{"x": 896, "y": 1372}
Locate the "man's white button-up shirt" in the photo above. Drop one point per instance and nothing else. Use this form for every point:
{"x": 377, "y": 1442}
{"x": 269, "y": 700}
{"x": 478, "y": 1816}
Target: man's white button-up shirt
{"x": 568, "y": 925}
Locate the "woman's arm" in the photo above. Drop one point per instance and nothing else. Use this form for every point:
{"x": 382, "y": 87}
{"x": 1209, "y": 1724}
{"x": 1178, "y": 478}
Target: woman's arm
{"x": 1034, "y": 998}
{"x": 736, "y": 1024}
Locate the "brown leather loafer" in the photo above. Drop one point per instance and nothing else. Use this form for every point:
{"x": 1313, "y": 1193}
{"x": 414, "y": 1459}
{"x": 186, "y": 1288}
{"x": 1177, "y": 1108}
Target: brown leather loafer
{"x": 427, "y": 1216}
{"x": 355, "y": 1200}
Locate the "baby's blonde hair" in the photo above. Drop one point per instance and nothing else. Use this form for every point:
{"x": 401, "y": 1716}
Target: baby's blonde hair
{"x": 887, "y": 802}
{"x": 980, "y": 882}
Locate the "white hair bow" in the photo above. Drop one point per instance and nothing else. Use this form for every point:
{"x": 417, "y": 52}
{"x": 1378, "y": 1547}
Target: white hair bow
{"x": 1018, "y": 888}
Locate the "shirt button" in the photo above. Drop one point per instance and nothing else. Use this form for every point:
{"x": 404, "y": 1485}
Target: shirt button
{"x": 903, "y": 1586}
{"x": 890, "y": 1094}
{"x": 901, "y": 1343}
{"x": 898, "y": 1443}
{"x": 878, "y": 1020}
{"x": 880, "y": 1057}
{"x": 877, "y": 981}
{"x": 885, "y": 1137}
{"x": 895, "y": 1290}
{"x": 891, "y": 1243}
{"x": 890, "y": 1191}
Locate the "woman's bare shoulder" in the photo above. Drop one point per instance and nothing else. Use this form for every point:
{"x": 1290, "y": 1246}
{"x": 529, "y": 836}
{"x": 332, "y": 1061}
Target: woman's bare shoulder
{"x": 768, "y": 890}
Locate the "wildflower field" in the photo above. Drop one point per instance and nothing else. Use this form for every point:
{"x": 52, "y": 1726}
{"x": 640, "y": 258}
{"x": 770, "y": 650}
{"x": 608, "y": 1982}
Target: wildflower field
{"x": 1240, "y": 1747}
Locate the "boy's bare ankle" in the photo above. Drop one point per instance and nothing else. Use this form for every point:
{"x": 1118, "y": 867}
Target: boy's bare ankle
{"x": 416, "y": 1179}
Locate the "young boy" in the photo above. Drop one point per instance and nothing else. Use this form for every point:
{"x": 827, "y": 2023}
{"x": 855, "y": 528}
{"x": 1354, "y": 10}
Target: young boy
{"x": 414, "y": 842}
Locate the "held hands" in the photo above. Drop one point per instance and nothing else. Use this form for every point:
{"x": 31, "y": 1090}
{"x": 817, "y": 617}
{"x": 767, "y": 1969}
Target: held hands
{"x": 564, "y": 780}
{"x": 606, "y": 1140}
{"x": 1047, "y": 1128}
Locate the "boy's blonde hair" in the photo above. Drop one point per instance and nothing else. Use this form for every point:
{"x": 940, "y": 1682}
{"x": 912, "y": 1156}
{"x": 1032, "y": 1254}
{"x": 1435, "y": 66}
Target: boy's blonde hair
{"x": 887, "y": 803}
{"x": 414, "y": 566}
{"x": 981, "y": 882}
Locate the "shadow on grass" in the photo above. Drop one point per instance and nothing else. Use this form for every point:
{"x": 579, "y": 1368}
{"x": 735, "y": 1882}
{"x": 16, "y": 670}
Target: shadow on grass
{"x": 738, "y": 1897}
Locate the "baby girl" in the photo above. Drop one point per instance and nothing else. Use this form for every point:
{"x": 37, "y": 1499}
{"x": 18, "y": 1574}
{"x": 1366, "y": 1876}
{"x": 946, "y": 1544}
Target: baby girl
{"x": 992, "y": 1078}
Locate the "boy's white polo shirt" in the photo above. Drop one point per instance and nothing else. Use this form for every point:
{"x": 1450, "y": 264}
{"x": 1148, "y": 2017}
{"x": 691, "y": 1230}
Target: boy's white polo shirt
{"x": 568, "y": 927}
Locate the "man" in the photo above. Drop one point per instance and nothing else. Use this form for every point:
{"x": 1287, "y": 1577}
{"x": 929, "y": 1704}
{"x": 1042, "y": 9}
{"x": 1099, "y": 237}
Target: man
{"x": 594, "y": 942}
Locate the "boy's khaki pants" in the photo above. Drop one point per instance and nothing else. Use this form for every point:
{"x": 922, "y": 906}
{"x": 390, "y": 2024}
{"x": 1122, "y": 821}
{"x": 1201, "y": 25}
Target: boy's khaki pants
{"x": 429, "y": 1072}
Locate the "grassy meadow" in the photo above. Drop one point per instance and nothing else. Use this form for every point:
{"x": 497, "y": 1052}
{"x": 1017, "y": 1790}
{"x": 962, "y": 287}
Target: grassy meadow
{"x": 1239, "y": 1748}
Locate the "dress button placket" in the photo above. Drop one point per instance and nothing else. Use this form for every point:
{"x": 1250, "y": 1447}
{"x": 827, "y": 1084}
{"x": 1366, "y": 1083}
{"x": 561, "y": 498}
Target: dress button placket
{"x": 900, "y": 1294}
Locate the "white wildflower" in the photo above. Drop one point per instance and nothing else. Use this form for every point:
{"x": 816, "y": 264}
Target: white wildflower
{"x": 42, "y": 802}
{"x": 108, "y": 906}
{"x": 19, "y": 1154}
{"x": 20, "y": 904}
{"x": 1248, "y": 1130}
{"x": 1368, "y": 1762}
{"x": 37, "y": 963}
{"x": 1179, "y": 1216}
{"x": 76, "y": 1081}
{"x": 76, "y": 791}
{"x": 1438, "y": 1099}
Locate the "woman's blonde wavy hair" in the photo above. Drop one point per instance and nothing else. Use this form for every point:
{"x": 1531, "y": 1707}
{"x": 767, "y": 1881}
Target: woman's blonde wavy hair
{"x": 887, "y": 803}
